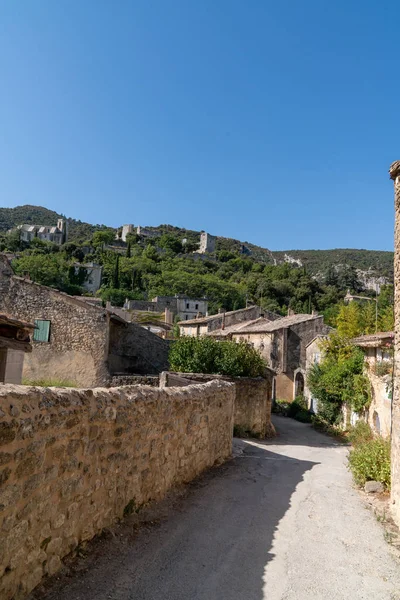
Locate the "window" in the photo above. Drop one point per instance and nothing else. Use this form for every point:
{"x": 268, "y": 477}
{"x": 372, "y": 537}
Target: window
{"x": 197, "y": 306}
{"x": 41, "y": 332}
{"x": 186, "y": 317}
{"x": 187, "y": 304}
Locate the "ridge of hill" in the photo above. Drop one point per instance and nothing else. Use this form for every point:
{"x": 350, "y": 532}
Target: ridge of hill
{"x": 370, "y": 264}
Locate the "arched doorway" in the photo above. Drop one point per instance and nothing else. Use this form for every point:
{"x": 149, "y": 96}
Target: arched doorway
{"x": 298, "y": 384}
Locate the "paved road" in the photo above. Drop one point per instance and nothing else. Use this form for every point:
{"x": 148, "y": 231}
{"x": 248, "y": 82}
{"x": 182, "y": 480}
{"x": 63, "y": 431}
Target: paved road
{"x": 279, "y": 522}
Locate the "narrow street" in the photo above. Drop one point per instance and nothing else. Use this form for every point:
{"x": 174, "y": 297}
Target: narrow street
{"x": 281, "y": 521}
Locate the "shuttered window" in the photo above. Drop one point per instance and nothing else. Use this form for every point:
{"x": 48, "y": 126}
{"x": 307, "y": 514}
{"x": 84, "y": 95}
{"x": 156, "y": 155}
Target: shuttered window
{"x": 42, "y": 331}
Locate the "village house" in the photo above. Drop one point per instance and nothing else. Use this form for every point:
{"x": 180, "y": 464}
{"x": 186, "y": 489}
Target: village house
{"x": 282, "y": 342}
{"x": 56, "y": 234}
{"x": 77, "y": 341}
{"x": 314, "y": 355}
{"x": 93, "y": 275}
{"x": 180, "y": 305}
{"x": 221, "y": 322}
{"x": 378, "y": 350}
{"x": 14, "y": 343}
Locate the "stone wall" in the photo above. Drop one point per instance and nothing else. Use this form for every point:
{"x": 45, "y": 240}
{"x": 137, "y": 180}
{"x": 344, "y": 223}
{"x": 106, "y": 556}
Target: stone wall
{"x": 119, "y": 380}
{"x": 253, "y": 399}
{"x": 135, "y": 350}
{"x": 73, "y": 461}
{"x": 395, "y": 486}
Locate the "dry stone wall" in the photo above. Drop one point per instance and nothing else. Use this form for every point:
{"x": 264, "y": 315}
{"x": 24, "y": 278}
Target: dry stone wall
{"x": 253, "y": 399}
{"x": 73, "y": 461}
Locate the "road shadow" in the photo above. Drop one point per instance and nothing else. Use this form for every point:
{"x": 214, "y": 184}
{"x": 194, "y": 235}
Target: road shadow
{"x": 212, "y": 544}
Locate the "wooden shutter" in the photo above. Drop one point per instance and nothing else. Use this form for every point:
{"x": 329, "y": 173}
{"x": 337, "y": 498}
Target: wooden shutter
{"x": 42, "y": 331}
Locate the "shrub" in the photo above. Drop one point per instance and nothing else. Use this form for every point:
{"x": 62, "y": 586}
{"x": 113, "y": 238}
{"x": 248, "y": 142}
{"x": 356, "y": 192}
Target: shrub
{"x": 281, "y": 407}
{"x": 360, "y": 433}
{"x": 339, "y": 380}
{"x": 383, "y": 368}
{"x": 370, "y": 461}
{"x": 206, "y": 355}
{"x": 296, "y": 406}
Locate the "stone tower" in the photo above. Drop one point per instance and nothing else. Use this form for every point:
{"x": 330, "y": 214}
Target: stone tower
{"x": 207, "y": 243}
{"x": 394, "y": 172}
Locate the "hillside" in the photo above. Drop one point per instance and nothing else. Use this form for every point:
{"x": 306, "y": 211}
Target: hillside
{"x": 371, "y": 264}
{"x": 38, "y": 215}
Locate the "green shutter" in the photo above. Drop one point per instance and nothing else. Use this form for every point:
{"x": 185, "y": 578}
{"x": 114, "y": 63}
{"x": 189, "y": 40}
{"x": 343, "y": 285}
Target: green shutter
{"x": 42, "y": 331}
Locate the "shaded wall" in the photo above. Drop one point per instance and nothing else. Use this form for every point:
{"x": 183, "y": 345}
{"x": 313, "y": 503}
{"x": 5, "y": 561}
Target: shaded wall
{"x": 133, "y": 349}
{"x": 253, "y": 399}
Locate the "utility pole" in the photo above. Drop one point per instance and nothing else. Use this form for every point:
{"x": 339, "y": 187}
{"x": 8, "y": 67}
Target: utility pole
{"x": 376, "y": 309}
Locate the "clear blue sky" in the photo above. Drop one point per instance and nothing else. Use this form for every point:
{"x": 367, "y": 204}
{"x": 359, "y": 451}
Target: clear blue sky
{"x": 271, "y": 122}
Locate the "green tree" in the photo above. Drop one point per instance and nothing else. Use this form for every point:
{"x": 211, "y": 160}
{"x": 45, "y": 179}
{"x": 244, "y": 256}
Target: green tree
{"x": 103, "y": 237}
{"x": 349, "y": 320}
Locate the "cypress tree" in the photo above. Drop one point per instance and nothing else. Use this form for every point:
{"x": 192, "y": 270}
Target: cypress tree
{"x": 115, "y": 278}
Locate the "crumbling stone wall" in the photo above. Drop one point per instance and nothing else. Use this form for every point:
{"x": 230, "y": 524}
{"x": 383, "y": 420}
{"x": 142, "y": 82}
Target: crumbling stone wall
{"x": 253, "y": 399}
{"x": 73, "y": 461}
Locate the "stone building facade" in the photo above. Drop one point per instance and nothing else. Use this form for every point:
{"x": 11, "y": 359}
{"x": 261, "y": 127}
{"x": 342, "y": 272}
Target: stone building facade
{"x": 182, "y": 306}
{"x": 283, "y": 343}
{"x": 93, "y": 276}
{"x": 394, "y": 172}
{"x": 75, "y": 340}
{"x": 56, "y": 234}
{"x": 378, "y": 350}
{"x": 222, "y": 324}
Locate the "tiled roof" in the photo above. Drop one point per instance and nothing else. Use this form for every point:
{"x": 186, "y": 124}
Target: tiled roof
{"x": 228, "y": 330}
{"x": 373, "y": 339}
{"x": 262, "y": 325}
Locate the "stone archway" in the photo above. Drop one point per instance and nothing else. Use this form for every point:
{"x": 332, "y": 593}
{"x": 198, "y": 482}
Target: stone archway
{"x": 299, "y": 384}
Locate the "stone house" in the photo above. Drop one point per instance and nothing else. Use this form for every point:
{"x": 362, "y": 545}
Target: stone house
{"x": 93, "y": 276}
{"x": 182, "y": 306}
{"x": 220, "y": 323}
{"x": 56, "y": 234}
{"x": 283, "y": 342}
{"x": 378, "y": 350}
{"x": 14, "y": 343}
{"x": 75, "y": 340}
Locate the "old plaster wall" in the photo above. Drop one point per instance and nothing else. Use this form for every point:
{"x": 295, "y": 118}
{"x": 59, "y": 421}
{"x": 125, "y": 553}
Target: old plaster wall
{"x": 395, "y": 462}
{"x": 253, "y": 399}
{"x": 379, "y": 413}
{"x": 73, "y": 461}
{"x": 77, "y": 349}
{"x": 133, "y": 349}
